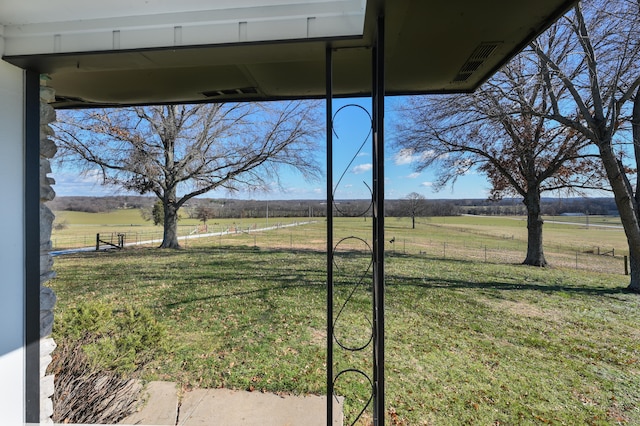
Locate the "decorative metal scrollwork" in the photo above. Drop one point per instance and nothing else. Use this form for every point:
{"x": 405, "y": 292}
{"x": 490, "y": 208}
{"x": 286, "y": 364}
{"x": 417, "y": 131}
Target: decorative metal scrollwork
{"x": 353, "y": 158}
{"x": 364, "y": 377}
{"x": 352, "y": 269}
{"x": 352, "y": 329}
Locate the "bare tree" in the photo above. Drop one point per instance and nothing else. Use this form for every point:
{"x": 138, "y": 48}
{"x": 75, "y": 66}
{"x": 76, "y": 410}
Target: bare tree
{"x": 415, "y": 204}
{"x": 591, "y": 68}
{"x": 502, "y": 132}
{"x": 178, "y": 152}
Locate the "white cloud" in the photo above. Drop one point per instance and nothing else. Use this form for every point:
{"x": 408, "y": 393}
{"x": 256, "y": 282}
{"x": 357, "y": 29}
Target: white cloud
{"x": 413, "y": 175}
{"x": 89, "y": 183}
{"x": 362, "y": 168}
{"x": 408, "y": 156}
{"x": 403, "y": 157}
{"x": 93, "y": 176}
{"x": 427, "y": 184}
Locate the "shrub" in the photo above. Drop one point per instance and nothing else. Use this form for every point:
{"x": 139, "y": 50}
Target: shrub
{"x": 120, "y": 340}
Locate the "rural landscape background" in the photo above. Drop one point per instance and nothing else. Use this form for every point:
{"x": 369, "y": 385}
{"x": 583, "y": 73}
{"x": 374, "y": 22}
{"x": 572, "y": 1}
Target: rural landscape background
{"x": 473, "y": 337}
{"x": 523, "y": 311}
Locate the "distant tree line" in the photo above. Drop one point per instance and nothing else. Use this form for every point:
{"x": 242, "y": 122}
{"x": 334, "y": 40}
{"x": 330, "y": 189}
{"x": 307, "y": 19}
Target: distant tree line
{"x": 100, "y": 204}
{"x": 199, "y": 208}
{"x": 549, "y": 206}
{"x": 403, "y": 208}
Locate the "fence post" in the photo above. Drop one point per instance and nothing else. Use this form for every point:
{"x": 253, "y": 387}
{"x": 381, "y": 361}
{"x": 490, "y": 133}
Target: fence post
{"x": 97, "y": 242}
{"x": 626, "y": 265}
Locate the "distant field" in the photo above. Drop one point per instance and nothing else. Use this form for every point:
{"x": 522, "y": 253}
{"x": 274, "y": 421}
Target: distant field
{"x": 496, "y": 239}
{"x": 79, "y": 229}
{"x": 504, "y": 239}
{"x": 567, "y": 237}
{"x": 587, "y": 220}
{"x": 116, "y": 217}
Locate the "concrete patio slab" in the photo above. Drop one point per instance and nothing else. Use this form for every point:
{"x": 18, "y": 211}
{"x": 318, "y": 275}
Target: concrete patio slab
{"x": 231, "y": 407}
{"x": 160, "y": 406}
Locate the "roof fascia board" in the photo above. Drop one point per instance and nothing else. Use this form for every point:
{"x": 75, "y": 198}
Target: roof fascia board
{"x": 310, "y": 20}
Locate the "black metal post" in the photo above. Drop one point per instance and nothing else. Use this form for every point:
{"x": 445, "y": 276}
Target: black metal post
{"x": 329, "y": 152}
{"x": 32, "y": 246}
{"x": 378, "y": 94}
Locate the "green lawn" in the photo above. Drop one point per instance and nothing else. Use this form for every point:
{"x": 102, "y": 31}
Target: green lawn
{"x": 468, "y": 341}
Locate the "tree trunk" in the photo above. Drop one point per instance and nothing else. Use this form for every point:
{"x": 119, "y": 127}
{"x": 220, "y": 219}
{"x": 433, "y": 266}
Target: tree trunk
{"x": 627, "y": 208}
{"x": 634, "y": 263}
{"x": 626, "y": 201}
{"x": 535, "y": 251}
{"x": 634, "y": 252}
{"x": 413, "y": 221}
{"x": 170, "y": 237}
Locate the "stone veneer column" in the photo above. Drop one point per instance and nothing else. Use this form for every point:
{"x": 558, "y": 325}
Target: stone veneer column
{"x": 47, "y": 296}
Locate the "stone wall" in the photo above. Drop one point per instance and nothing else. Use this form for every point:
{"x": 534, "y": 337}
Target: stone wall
{"x": 47, "y": 297}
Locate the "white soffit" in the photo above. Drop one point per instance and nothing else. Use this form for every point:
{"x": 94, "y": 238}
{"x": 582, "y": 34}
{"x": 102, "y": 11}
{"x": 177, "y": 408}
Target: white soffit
{"x": 33, "y": 27}
{"x": 124, "y": 52}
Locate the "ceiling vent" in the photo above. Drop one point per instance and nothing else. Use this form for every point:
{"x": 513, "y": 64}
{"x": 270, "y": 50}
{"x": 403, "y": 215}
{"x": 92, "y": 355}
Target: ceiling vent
{"x": 231, "y": 92}
{"x": 475, "y": 61}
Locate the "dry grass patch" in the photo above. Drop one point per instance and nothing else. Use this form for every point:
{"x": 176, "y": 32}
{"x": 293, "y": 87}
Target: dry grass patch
{"x": 524, "y": 309}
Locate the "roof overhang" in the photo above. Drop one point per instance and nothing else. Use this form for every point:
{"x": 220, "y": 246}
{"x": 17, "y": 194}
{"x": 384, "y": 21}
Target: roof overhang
{"x": 156, "y": 51}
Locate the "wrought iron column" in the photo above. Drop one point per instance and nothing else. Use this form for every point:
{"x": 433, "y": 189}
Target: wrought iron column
{"x": 329, "y": 215}
{"x": 355, "y": 265}
{"x": 378, "y": 93}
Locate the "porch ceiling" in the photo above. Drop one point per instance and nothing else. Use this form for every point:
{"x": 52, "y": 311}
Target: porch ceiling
{"x": 157, "y": 51}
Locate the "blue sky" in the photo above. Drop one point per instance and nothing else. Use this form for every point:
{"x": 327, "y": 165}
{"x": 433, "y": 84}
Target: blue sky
{"x": 351, "y": 128}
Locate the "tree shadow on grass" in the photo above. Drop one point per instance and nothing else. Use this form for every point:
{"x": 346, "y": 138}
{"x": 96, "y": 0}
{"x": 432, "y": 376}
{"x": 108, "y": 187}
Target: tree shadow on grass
{"x": 493, "y": 284}
{"x": 426, "y": 282}
{"x": 288, "y": 280}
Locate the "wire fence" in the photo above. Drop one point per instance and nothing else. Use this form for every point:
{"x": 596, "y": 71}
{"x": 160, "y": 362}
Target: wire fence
{"x": 311, "y": 235}
{"x": 63, "y": 242}
{"x": 144, "y": 235}
{"x": 602, "y": 260}
{"x": 246, "y": 233}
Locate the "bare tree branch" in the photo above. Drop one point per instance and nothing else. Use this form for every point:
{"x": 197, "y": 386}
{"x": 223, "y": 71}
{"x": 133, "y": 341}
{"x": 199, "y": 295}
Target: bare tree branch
{"x": 179, "y": 152}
